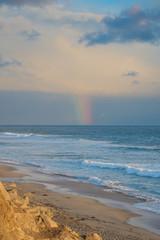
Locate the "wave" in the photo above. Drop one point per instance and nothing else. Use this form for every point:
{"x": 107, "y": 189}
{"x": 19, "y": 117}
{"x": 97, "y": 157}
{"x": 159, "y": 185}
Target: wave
{"x": 96, "y": 181}
{"x": 42, "y": 137}
{"x": 87, "y": 142}
{"x": 134, "y": 147}
{"x": 117, "y": 186}
{"x": 7, "y": 161}
{"x": 149, "y": 206}
{"x": 111, "y": 145}
{"x": 47, "y": 171}
{"x": 13, "y": 134}
{"x": 143, "y": 170}
{"x": 3, "y": 161}
{"x": 10, "y": 134}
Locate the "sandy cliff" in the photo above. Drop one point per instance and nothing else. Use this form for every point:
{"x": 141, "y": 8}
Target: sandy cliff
{"x": 20, "y": 221}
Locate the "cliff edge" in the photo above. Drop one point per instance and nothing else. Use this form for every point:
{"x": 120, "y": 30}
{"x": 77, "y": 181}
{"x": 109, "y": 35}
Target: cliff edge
{"x": 20, "y": 221}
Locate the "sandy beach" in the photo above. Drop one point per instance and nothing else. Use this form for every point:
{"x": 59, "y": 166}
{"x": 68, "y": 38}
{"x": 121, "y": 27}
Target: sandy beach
{"x": 82, "y": 214}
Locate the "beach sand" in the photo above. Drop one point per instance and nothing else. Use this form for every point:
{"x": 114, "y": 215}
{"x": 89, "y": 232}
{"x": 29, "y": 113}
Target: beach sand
{"x": 81, "y": 214}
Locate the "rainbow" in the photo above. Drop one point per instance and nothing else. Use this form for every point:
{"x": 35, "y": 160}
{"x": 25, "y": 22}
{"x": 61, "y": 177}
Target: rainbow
{"x": 83, "y": 109}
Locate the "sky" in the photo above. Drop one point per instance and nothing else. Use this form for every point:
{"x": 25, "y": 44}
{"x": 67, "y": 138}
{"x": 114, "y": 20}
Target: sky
{"x": 80, "y": 62}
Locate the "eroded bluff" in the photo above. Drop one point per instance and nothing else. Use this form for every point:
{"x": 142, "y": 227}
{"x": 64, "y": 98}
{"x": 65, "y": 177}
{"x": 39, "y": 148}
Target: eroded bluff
{"x": 19, "y": 221}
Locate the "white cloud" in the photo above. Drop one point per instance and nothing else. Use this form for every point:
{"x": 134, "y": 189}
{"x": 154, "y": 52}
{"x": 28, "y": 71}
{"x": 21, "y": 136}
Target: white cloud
{"x": 58, "y": 13}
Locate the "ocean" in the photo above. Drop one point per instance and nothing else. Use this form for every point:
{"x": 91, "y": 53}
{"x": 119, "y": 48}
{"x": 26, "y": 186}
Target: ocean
{"x": 124, "y": 159}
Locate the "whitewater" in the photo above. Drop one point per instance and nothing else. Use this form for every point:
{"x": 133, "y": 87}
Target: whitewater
{"x": 123, "y": 159}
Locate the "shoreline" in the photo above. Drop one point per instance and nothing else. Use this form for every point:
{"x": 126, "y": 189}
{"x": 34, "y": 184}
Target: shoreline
{"x": 76, "y": 197}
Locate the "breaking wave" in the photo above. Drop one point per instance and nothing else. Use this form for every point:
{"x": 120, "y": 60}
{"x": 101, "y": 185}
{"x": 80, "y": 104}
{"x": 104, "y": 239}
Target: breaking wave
{"x": 148, "y": 170}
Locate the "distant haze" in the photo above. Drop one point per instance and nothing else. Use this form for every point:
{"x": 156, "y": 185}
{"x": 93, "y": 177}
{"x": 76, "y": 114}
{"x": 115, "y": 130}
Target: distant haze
{"x": 48, "y": 108}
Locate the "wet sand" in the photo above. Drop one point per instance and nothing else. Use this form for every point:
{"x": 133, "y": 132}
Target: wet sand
{"x": 84, "y": 207}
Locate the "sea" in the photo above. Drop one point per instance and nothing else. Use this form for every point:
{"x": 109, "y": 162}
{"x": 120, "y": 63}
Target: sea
{"x": 118, "y": 158}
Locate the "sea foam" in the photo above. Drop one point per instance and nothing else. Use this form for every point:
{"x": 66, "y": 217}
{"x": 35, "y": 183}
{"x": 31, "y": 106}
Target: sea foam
{"x": 149, "y": 206}
{"x": 144, "y": 170}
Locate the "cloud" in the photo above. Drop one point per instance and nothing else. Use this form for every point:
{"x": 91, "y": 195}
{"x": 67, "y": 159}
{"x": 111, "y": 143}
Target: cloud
{"x": 14, "y": 25}
{"x": 18, "y": 25}
{"x": 154, "y": 83}
{"x": 73, "y": 17}
{"x": 25, "y": 2}
{"x": 135, "y": 82}
{"x": 31, "y": 35}
{"x": 130, "y": 74}
{"x": 9, "y": 63}
{"x": 131, "y": 25}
